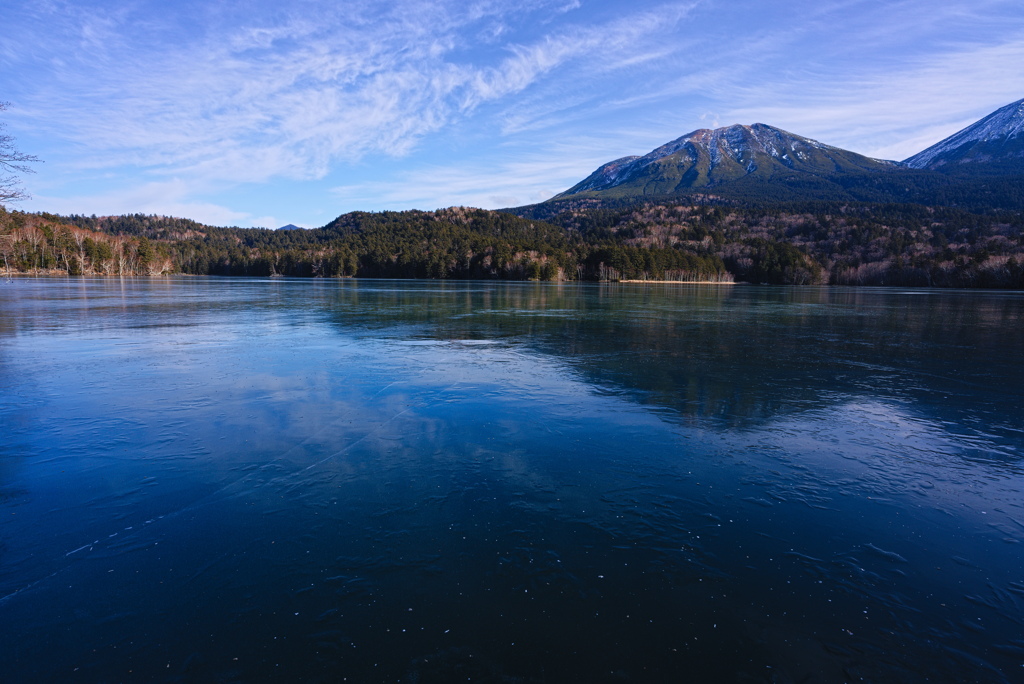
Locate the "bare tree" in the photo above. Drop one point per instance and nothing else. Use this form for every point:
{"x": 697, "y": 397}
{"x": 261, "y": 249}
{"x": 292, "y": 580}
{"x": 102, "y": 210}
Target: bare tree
{"x": 12, "y": 162}
{"x": 7, "y": 247}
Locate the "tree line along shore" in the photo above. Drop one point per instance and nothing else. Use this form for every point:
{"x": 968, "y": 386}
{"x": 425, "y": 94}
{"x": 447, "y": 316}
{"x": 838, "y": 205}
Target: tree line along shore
{"x": 816, "y": 243}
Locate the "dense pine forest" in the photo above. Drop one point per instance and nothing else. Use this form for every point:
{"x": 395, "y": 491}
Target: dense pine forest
{"x": 699, "y": 238}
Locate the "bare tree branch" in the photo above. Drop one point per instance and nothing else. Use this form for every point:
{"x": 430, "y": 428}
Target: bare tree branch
{"x": 10, "y": 191}
{"x": 12, "y": 162}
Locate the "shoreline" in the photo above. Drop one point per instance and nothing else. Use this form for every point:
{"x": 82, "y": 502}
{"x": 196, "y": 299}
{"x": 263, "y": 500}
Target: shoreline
{"x": 55, "y": 273}
{"x": 681, "y": 282}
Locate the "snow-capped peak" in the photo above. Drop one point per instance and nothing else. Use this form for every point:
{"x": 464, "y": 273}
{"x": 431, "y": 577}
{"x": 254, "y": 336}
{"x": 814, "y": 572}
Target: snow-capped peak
{"x": 1006, "y": 123}
{"x": 707, "y": 157}
{"x": 733, "y": 142}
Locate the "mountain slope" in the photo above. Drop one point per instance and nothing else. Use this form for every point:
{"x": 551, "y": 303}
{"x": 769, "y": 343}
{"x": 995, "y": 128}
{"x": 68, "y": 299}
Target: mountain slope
{"x": 993, "y": 144}
{"x": 715, "y": 158}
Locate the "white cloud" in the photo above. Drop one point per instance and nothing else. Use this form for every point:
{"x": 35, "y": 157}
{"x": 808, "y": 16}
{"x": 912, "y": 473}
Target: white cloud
{"x": 165, "y": 198}
{"x": 293, "y": 99}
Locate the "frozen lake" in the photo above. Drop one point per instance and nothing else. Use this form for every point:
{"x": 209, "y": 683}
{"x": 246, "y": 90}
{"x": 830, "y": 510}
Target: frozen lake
{"x": 231, "y": 480}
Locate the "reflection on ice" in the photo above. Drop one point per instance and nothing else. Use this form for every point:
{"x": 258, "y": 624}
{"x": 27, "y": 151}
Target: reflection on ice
{"x": 410, "y": 482}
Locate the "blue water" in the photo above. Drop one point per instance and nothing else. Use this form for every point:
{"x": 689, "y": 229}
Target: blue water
{"x": 228, "y": 480}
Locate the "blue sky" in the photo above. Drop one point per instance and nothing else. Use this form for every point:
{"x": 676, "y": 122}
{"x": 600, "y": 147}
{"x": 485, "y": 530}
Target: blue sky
{"x": 270, "y": 112}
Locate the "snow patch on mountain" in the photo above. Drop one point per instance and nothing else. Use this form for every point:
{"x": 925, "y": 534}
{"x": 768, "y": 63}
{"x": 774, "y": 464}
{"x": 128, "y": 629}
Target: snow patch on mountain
{"x": 610, "y": 174}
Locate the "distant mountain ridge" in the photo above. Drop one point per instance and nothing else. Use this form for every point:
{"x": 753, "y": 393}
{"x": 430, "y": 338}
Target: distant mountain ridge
{"x": 997, "y": 139}
{"x": 976, "y": 167}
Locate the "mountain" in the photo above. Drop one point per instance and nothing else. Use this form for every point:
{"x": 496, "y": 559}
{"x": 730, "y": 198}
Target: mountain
{"x": 995, "y": 144}
{"x": 291, "y": 226}
{"x": 731, "y": 156}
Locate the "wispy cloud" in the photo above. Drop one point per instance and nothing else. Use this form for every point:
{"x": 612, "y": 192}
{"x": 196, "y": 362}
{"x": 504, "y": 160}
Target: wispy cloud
{"x": 291, "y": 99}
{"x": 896, "y": 113}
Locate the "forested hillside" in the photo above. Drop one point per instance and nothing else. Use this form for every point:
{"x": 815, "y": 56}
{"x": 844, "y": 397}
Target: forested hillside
{"x": 702, "y": 239}
{"x": 448, "y": 243}
{"x": 816, "y": 242}
{"x": 48, "y": 244}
